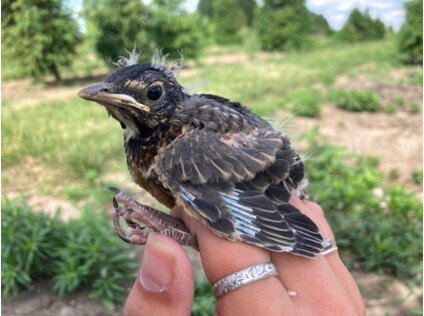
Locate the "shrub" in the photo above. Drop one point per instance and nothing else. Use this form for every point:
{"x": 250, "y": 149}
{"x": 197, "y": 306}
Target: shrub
{"x": 29, "y": 242}
{"x": 355, "y": 100}
{"x": 284, "y": 26}
{"x": 377, "y": 228}
{"x": 410, "y": 36}
{"x": 414, "y": 108}
{"x": 306, "y": 103}
{"x": 82, "y": 252}
{"x": 417, "y": 176}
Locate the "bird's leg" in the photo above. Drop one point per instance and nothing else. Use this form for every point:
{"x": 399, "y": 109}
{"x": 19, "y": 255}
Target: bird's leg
{"x": 139, "y": 216}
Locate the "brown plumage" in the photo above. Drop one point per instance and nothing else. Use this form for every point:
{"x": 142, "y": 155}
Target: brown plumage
{"x": 227, "y": 166}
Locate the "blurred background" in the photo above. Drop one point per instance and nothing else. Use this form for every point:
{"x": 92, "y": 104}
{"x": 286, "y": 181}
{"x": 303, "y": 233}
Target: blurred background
{"x": 343, "y": 78}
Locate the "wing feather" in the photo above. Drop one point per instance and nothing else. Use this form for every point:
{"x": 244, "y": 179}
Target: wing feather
{"x": 239, "y": 183}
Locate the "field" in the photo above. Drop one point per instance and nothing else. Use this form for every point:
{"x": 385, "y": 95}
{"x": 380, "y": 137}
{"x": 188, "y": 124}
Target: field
{"x": 59, "y": 151}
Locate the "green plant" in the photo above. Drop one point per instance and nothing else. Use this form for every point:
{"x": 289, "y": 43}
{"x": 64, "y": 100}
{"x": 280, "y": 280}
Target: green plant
{"x": 361, "y": 27}
{"x": 379, "y": 232}
{"x": 204, "y": 301}
{"x": 38, "y": 36}
{"x": 284, "y": 25}
{"x": 417, "y": 176}
{"x": 414, "y": 108}
{"x": 93, "y": 257}
{"x": 28, "y": 248}
{"x": 417, "y": 77}
{"x": 394, "y": 174}
{"x": 410, "y": 36}
{"x": 82, "y": 252}
{"x": 306, "y": 103}
{"x": 397, "y": 103}
{"x": 355, "y": 100}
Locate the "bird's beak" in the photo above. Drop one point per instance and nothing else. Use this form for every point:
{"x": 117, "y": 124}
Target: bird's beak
{"x": 100, "y": 94}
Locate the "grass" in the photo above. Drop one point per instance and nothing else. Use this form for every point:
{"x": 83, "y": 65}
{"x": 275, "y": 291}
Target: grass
{"x": 73, "y": 135}
{"x": 355, "y": 100}
{"x": 306, "y": 103}
{"x": 268, "y": 84}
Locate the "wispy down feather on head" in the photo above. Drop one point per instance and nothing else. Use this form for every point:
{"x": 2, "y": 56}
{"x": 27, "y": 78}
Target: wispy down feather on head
{"x": 159, "y": 62}
{"x": 132, "y": 59}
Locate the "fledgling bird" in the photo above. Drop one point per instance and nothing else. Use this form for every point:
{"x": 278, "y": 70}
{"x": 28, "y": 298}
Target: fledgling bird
{"x": 225, "y": 165}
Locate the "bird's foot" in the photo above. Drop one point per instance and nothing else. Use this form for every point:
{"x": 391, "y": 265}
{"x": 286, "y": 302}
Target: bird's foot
{"x": 144, "y": 219}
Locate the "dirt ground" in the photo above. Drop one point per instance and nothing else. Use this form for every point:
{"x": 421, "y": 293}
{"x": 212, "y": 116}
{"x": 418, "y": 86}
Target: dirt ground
{"x": 395, "y": 138}
{"x": 382, "y": 295}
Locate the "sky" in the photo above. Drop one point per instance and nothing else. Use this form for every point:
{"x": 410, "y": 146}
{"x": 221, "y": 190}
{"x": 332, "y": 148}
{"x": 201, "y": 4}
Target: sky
{"x": 391, "y": 12}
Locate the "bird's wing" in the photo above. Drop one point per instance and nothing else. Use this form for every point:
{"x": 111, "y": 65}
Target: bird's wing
{"x": 235, "y": 183}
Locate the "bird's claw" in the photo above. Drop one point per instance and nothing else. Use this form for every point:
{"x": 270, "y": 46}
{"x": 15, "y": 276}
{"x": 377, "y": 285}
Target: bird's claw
{"x": 139, "y": 216}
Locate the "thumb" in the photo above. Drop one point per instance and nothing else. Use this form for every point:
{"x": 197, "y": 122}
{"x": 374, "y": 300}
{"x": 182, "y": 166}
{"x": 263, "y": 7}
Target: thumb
{"x": 165, "y": 283}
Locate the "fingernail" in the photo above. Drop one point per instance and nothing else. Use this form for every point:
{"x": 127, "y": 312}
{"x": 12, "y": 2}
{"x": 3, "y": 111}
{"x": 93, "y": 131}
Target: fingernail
{"x": 157, "y": 268}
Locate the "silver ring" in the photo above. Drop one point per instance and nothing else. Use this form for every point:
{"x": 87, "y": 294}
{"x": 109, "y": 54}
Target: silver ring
{"x": 328, "y": 251}
{"x": 243, "y": 277}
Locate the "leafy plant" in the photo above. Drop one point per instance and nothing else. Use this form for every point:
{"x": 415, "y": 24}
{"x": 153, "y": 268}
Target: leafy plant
{"x": 306, "y": 103}
{"x": 417, "y": 176}
{"x": 397, "y": 103}
{"x": 82, "y": 252}
{"x": 355, "y": 100}
{"x": 204, "y": 301}
{"x": 29, "y": 241}
{"x": 410, "y": 36}
{"x": 377, "y": 228}
{"x": 394, "y": 174}
{"x": 39, "y": 36}
{"x": 414, "y": 108}
{"x": 361, "y": 27}
{"x": 284, "y": 25}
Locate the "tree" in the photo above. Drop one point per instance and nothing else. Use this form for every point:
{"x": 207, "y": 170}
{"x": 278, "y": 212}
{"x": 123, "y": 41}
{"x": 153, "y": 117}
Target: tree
{"x": 117, "y": 26}
{"x": 204, "y": 7}
{"x": 410, "y": 37}
{"x": 361, "y": 27}
{"x": 284, "y": 25}
{"x": 173, "y": 31}
{"x": 320, "y": 24}
{"x": 228, "y": 17}
{"x": 40, "y": 36}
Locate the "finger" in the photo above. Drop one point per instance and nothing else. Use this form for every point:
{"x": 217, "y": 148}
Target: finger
{"x": 333, "y": 259}
{"x": 221, "y": 257}
{"x": 165, "y": 283}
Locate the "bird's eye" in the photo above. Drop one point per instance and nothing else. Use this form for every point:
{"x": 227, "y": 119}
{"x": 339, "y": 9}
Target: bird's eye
{"x": 154, "y": 93}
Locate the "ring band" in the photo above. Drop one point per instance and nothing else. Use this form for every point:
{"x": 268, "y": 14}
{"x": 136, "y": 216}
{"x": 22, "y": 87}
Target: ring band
{"x": 328, "y": 251}
{"x": 243, "y": 277}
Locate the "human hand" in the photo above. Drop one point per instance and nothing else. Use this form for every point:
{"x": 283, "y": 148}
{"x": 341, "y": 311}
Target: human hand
{"x": 165, "y": 284}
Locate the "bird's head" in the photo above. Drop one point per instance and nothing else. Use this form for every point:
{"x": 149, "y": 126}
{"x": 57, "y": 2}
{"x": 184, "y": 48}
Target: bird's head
{"x": 140, "y": 96}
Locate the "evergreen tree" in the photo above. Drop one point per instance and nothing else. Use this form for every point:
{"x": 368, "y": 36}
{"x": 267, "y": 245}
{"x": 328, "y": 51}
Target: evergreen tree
{"x": 284, "y": 25}
{"x": 204, "y": 7}
{"x": 117, "y": 26}
{"x": 320, "y": 24}
{"x": 40, "y": 36}
{"x": 361, "y": 27}
{"x": 228, "y": 18}
{"x": 174, "y": 31}
{"x": 410, "y": 37}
